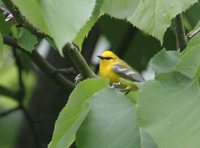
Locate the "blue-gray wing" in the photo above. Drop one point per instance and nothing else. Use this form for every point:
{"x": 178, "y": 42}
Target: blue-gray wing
{"x": 128, "y": 73}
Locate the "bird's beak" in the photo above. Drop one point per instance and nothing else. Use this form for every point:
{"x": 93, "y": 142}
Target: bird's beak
{"x": 99, "y": 56}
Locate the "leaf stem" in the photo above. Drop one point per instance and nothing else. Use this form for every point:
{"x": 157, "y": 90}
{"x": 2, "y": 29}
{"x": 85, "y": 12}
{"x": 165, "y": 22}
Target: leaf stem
{"x": 180, "y": 33}
{"x": 79, "y": 62}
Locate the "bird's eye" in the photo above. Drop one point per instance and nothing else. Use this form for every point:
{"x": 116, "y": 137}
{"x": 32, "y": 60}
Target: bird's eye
{"x": 107, "y": 58}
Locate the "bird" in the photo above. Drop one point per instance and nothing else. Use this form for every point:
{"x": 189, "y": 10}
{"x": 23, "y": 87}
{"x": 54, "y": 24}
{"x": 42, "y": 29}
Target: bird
{"x": 118, "y": 71}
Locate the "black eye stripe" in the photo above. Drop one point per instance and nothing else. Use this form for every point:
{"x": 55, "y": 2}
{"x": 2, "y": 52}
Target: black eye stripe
{"x": 107, "y": 58}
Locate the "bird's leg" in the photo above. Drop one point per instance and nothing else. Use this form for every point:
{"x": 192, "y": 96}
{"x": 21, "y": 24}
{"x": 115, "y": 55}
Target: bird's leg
{"x": 124, "y": 89}
{"x": 117, "y": 85}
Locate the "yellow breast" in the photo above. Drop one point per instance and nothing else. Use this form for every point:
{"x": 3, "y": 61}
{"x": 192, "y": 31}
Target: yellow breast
{"x": 106, "y": 70}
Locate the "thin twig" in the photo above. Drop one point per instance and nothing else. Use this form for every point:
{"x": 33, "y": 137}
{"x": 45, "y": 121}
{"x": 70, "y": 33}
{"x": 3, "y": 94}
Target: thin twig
{"x": 8, "y": 92}
{"x": 9, "y": 111}
{"x": 180, "y": 33}
{"x": 191, "y": 34}
{"x": 51, "y": 71}
{"x": 69, "y": 70}
{"x": 21, "y": 91}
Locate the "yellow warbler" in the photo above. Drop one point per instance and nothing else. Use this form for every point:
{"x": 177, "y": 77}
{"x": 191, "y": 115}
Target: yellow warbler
{"x": 118, "y": 71}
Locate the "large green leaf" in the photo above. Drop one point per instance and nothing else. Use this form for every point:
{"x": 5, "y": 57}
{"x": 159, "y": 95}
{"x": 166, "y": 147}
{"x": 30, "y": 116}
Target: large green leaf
{"x": 61, "y": 19}
{"x": 164, "y": 61}
{"x": 75, "y": 112}
{"x": 169, "y": 110}
{"x": 120, "y": 8}
{"x": 112, "y": 123}
{"x": 86, "y": 28}
{"x": 190, "y": 61}
{"x": 29, "y": 9}
{"x": 154, "y": 16}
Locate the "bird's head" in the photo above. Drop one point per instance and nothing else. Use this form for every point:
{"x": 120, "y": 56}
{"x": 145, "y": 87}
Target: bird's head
{"x": 108, "y": 57}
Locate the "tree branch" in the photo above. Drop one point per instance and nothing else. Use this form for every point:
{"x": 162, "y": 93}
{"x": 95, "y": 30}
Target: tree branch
{"x": 191, "y": 34}
{"x": 69, "y": 49}
{"x": 11, "y": 41}
{"x": 7, "y": 92}
{"x": 21, "y": 21}
{"x": 79, "y": 62}
{"x": 46, "y": 67}
{"x": 9, "y": 111}
{"x": 50, "y": 71}
{"x": 180, "y": 33}
{"x": 21, "y": 94}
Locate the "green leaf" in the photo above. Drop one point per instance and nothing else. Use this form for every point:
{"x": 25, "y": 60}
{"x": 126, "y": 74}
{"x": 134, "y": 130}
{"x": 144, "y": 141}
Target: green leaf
{"x": 111, "y": 123}
{"x": 164, "y": 61}
{"x": 75, "y": 112}
{"x": 192, "y": 16}
{"x": 26, "y": 39}
{"x": 120, "y": 8}
{"x": 190, "y": 61}
{"x": 169, "y": 110}
{"x": 29, "y": 9}
{"x": 154, "y": 17}
{"x": 86, "y": 28}
{"x": 61, "y": 19}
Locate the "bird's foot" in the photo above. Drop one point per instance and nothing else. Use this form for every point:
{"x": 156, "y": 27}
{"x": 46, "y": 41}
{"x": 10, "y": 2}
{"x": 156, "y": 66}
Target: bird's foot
{"x": 116, "y": 85}
{"x": 78, "y": 78}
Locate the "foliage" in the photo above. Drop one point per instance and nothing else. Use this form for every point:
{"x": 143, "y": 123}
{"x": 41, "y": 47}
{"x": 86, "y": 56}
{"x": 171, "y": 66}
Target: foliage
{"x": 162, "y": 113}
{"x": 75, "y": 111}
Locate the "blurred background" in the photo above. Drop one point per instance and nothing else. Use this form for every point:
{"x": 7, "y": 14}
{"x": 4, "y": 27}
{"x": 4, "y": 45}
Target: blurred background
{"x": 43, "y": 98}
